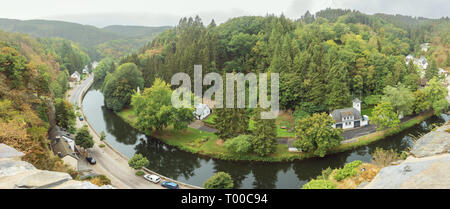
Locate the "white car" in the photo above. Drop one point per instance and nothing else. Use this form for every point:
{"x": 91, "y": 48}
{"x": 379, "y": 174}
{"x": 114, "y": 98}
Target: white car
{"x": 153, "y": 178}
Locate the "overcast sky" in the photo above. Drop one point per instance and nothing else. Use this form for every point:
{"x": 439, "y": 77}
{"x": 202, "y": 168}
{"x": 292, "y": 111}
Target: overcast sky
{"x": 167, "y": 12}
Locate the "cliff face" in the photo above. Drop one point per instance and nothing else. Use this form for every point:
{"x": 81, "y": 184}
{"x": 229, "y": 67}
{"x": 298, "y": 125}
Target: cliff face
{"x": 427, "y": 168}
{"x": 15, "y": 174}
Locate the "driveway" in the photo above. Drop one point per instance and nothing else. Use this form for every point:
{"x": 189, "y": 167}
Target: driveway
{"x": 349, "y": 134}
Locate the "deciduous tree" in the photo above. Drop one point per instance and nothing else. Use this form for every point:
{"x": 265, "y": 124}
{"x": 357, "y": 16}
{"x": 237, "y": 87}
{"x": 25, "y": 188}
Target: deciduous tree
{"x": 316, "y": 134}
{"x": 384, "y": 116}
{"x": 220, "y": 180}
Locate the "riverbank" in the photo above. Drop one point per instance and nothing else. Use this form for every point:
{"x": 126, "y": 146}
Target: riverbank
{"x": 207, "y": 144}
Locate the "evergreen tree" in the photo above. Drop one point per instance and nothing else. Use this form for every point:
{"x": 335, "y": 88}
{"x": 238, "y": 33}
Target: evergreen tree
{"x": 338, "y": 91}
{"x": 264, "y": 141}
{"x": 231, "y": 122}
{"x": 432, "y": 70}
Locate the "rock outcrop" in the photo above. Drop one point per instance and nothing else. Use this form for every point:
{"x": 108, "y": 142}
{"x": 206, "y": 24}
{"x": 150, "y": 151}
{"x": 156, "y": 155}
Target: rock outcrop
{"x": 415, "y": 173}
{"x": 17, "y": 174}
{"x": 433, "y": 143}
{"x": 427, "y": 168}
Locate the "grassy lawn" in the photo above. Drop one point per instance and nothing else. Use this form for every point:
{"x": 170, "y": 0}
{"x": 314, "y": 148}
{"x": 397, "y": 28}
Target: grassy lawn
{"x": 128, "y": 115}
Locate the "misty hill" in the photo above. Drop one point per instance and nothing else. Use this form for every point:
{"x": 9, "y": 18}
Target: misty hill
{"x": 83, "y": 34}
{"x": 135, "y": 31}
{"x": 113, "y": 41}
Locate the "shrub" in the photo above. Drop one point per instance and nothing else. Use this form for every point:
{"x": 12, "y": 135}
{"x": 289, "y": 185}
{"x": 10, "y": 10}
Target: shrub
{"x": 349, "y": 170}
{"x": 101, "y": 145}
{"x": 101, "y": 180}
{"x": 319, "y": 184}
{"x": 138, "y": 161}
{"x": 140, "y": 173}
{"x": 73, "y": 173}
{"x": 220, "y": 180}
{"x": 102, "y": 136}
{"x": 326, "y": 173}
{"x": 239, "y": 145}
{"x": 383, "y": 158}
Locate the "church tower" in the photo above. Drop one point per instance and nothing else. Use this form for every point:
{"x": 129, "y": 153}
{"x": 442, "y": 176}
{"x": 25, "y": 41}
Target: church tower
{"x": 357, "y": 104}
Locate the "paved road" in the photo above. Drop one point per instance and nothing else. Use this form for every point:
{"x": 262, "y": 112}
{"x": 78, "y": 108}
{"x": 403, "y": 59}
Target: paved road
{"x": 75, "y": 93}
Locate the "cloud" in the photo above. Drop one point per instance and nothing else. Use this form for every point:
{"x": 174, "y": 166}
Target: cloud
{"x": 422, "y": 8}
{"x": 221, "y": 11}
{"x": 146, "y": 19}
{"x": 105, "y": 19}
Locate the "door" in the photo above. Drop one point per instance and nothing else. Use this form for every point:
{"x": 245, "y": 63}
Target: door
{"x": 357, "y": 124}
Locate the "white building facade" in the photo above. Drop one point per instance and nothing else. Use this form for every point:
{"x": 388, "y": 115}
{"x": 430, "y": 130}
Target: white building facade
{"x": 350, "y": 117}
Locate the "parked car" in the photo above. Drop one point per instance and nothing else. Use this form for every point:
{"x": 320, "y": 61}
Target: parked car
{"x": 81, "y": 118}
{"x": 91, "y": 160}
{"x": 153, "y": 178}
{"x": 169, "y": 185}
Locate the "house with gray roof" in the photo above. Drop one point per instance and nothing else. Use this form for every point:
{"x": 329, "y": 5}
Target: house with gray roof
{"x": 64, "y": 146}
{"x": 351, "y": 117}
{"x": 75, "y": 77}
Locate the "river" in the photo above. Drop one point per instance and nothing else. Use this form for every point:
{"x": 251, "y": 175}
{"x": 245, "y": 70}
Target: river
{"x": 194, "y": 169}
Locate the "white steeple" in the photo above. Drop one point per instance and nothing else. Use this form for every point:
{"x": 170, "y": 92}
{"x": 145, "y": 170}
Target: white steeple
{"x": 357, "y": 104}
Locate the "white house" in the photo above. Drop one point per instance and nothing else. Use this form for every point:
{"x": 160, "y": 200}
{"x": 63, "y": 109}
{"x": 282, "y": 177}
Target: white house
{"x": 85, "y": 70}
{"x": 75, "y": 76}
{"x": 409, "y": 58}
{"x": 421, "y": 62}
{"x": 424, "y": 46}
{"x": 94, "y": 64}
{"x": 201, "y": 111}
{"x": 350, "y": 117}
{"x": 442, "y": 72}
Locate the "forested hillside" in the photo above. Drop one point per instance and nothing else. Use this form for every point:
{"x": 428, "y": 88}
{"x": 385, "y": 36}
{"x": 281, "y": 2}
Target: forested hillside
{"x": 32, "y": 79}
{"x": 324, "y": 60}
{"x": 112, "y": 41}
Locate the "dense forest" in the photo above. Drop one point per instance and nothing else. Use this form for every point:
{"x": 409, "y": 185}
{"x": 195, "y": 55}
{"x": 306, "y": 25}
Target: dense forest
{"x": 111, "y": 41}
{"x": 33, "y": 80}
{"x": 324, "y": 60}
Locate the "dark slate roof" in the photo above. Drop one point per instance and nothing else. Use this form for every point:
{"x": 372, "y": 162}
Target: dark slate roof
{"x": 57, "y": 132}
{"x": 339, "y": 113}
{"x": 62, "y": 149}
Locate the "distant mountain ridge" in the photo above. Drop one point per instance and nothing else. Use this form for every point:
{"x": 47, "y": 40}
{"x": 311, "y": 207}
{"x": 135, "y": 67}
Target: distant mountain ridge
{"x": 134, "y": 31}
{"x": 83, "y": 34}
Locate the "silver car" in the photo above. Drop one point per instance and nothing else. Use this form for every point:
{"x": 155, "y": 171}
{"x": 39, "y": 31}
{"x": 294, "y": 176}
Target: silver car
{"x": 153, "y": 178}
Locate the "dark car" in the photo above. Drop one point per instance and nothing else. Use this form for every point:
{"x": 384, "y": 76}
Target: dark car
{"x": 81, "y": 118}
{"x": 169, "y": 185}
{"x": 91, "y": 160}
